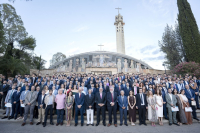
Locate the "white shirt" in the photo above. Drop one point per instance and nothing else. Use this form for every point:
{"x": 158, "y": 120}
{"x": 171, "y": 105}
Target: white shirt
{"x": 184, "y": 98}
{"x": 42, "y": 98}
{"x": 142, "y": 99}
{"x": 170, "y": 95}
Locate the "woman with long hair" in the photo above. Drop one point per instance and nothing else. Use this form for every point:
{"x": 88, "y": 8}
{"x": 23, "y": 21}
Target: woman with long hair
{"x": 151, "y": 108}
{"x": 69, "y": 107}
{"x": 159, "y": 105}
{"x": 132, "y": 108}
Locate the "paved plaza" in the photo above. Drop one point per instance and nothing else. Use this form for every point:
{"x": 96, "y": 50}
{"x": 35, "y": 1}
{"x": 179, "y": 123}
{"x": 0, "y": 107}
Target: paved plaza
{"x": 15, "y": 127}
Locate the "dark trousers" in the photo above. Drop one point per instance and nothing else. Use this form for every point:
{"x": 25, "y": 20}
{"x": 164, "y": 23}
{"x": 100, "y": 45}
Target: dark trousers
{"x": 2, "y": 100}
{"x": 194, "y": 114}
{"x": 197, "y": 100}
{"x": 35, "y": 115}
{"x": 165, "y": 110}
{"x": 123, "y": 112}
{"x": 15, "y": 109}
{"x": 102, "y": 110}
{"x": 142, "y": 114}
{"x": 48, "y": 108}
{"x": 112, "y": 110}
{"x": 60, "y": 114}
{"x": 77, "y": 110}
{"x": 21, "y": 111}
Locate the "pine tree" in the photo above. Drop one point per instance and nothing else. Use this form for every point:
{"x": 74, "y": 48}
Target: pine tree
{"x": 189, "y": 31}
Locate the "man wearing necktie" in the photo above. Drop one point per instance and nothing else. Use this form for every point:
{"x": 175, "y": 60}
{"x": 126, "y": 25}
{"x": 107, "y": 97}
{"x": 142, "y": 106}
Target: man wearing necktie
{"x": 112, "y": 106}
{"x": 123, "y": 103}
{"x": 89, "y": 104}
{"x": 30, "y": 102}
{"x": 8, "y": 100}
{"x": 141, "y": 105}
{"x": 15, "y": 100}
{"x": 100, "y": 99}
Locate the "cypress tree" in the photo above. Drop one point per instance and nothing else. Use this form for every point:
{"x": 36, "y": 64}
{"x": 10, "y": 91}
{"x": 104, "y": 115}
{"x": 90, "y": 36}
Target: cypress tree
{"x": 189, "y": 31}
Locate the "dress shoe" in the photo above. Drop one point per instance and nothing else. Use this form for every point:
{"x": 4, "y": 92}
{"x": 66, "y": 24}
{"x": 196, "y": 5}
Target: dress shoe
{"x": 115, "y": 125}
{"x": 170, "y": 124}
{"x": 4, "y": 113}
{"x": 15, "y": 118}
{"x": 140, "y": 124}
{"x": 97, "y": 124}
{"x": 196, "y": 119}
{"x": 108, "y": 125}
{"x": 11, "y": 117}
{"x": 120, "y": 124}
{"x": 167, "y": 118}
{"x": 104, "y": 124}
{"x": 44, "y": 125}
{"x": 31, "y": 123}
{"x": 92, "y": 124}
{"x": 61, "y": 123}
{"x": 23, "y": 124}
{"x": 57, "y": 124}
{"x": 4, "y": 117}
{"x": 81, "y": 124}
{"x": 75, "y": 125}
{"x": 126, "y": 124}
{"x": 38, "y": 123}
{"x": 145, "y": 124}
{"x": 51, "y": 123}
{"x": 87, "y": 125}
{"x": 176, "y": 124}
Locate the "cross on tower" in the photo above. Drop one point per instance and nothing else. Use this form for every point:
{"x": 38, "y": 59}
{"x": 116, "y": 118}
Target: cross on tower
{"x": 118, "y": 9}
{"x": 100, "y": 46}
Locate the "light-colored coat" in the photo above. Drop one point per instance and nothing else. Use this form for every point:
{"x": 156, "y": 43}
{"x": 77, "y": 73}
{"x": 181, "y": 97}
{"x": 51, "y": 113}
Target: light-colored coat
{"x": 9, "y": 95}
{"x": 169, "y": 101}
{"x": 46, "y": 100}
{"x": 23, "y": 95}
{"x": 33, "y": 98}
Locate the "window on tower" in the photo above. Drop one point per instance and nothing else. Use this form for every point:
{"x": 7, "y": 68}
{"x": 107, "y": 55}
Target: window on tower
{"x": 117, "y": 30}
{"x": 121, "y": 18}
{"x": 117, "y": 27}
{"x": 116, "y": 17}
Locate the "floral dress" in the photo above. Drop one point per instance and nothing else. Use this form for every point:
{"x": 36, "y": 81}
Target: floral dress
{"x": 68, "y": 112}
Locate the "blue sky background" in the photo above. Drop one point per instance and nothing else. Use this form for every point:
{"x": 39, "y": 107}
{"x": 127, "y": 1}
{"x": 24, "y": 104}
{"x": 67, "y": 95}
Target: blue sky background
{"x": 77, "y": 26}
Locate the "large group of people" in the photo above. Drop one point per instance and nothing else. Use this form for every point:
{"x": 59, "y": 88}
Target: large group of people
{"x": 154, "y": 97}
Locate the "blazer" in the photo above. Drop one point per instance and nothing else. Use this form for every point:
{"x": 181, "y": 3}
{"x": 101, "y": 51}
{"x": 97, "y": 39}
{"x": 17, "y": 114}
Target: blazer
{"x": 23, "y": 95}
{"x": 46, "y": 100}
{"x": 89, "y": 101}
{"x": 15, "y": 97}
{"x": 188, "y": 94}
{"x": 138, "y": 100}
{"x": 4, "y": 89}
{"x": 40, "y": 101}
{"x": 29, "y": 99}
{"x": 79, "y": 100}
{"x": 126, "y": 91}
{"x": 124, "y": 103}
{"x": 109, "y": 98}
{"x": 169, "y": 101}
{"x": 9, "y": 95}
{"x": 116, "y": 89}
{"x": 98, "y": 99}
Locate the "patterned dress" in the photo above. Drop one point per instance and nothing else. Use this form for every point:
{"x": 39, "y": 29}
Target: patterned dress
{"x": 68, "y": 112}
{"x": 152, "y": 116}
{"x": 180, "y": 115}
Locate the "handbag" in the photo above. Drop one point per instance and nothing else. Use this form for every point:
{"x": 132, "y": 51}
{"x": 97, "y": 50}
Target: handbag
{"x": 188, "y": 109}
{"x": 193, "y": 103}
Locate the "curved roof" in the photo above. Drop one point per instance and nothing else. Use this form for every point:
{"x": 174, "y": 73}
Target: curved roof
{"x": 103, "y": 52}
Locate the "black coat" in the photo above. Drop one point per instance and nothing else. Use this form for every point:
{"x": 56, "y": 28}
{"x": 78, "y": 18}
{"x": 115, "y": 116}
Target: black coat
{"x": 89, "y": 101}
{"x": 98, "y": 99}
{"x": 138, "y": 100}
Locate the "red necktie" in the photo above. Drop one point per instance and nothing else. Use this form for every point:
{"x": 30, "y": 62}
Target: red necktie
{"x": 112, "y": 97}
{"x": 80, "y": 95}
{"x": 119, "y": 88}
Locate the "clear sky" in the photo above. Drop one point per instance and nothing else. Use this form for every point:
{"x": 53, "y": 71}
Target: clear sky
{"x": 78, "y": 26}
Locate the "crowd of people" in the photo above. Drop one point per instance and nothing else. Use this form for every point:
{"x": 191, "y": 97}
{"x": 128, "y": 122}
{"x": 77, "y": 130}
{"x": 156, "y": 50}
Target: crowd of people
{"x": 153, "y": 97}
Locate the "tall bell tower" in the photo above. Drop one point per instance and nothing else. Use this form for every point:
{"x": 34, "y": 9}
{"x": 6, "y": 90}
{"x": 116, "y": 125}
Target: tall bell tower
{"x": 119, "y": 33}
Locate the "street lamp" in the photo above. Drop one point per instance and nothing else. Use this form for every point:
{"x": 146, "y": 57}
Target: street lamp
{"x": 164, "y": 67}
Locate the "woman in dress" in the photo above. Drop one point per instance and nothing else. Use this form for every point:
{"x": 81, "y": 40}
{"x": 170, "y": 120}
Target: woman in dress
{"x": 69, "y": 107}
{"x": 131, "y": 107}
{"x": 185, "y": 104}
{"x": 159, "y": 106}
{"x": 180, "y": 115}
{"x": 151, "y": 108}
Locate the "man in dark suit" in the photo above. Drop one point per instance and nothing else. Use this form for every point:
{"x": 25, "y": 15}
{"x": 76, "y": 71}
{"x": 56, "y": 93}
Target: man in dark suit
{"x": 3, "y": 92}
{"x": 141, "y": 105}
{"x": 190, "y": 94}
{"x": 100, "y": 99}
{"x": 135, "y": 89}
{"x": 112, "y": 106}
{"x": 118, "y": 88}
{"x": 164, "y": 92}
{"x": 89, "y": 104}
{"x": 15, "y": 101}
{"x": 41, "y": 107}
{"x": 79, "y": 106}
{"x": 33, "y": 79}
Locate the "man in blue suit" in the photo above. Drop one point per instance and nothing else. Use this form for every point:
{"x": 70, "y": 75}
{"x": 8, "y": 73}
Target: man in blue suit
{"x": 190, "y": 94}
{"x": 79, "y": 106}
{"x": 127, "y": 89}
{"x": 15, "y": 101}
{"x": 123, "y": 103}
